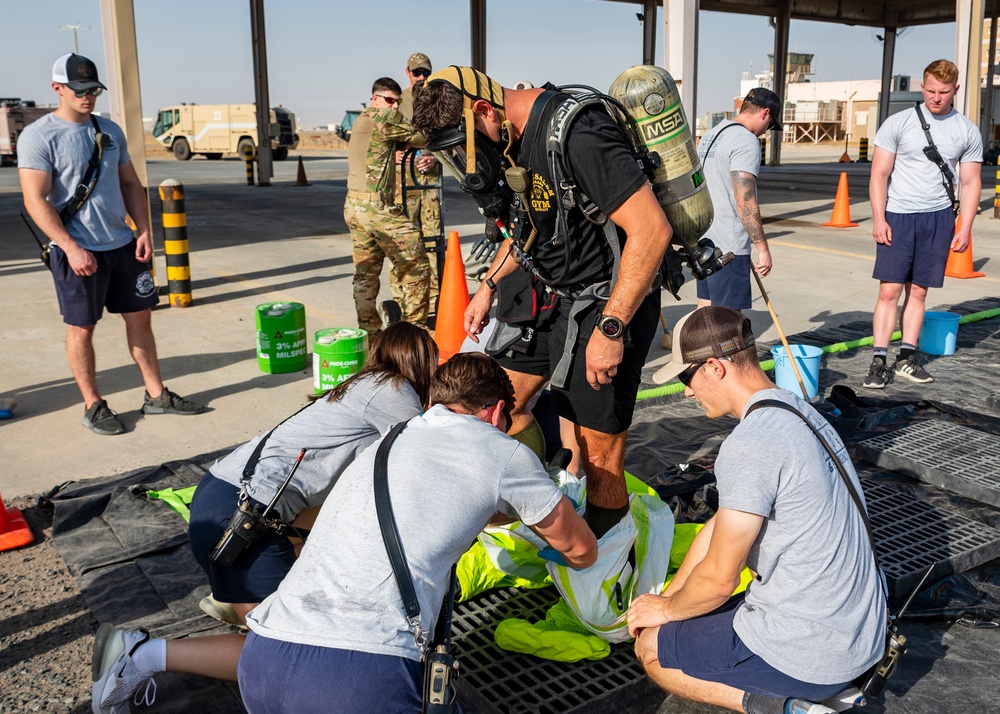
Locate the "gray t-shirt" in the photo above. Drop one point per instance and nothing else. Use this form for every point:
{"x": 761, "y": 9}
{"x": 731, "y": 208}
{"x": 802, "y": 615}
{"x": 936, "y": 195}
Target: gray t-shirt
{"x": 64, "y": 149}
{"x": 817, "y": 613}
{"x": 736, "y": 149}
{"x": 449, "y": 474}
{"x": 333, "y": 433}
{"x": 916, "y": 184}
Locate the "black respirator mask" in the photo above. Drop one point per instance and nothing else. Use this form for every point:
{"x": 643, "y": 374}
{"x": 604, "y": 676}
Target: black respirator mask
{"x": 486, "y": 183}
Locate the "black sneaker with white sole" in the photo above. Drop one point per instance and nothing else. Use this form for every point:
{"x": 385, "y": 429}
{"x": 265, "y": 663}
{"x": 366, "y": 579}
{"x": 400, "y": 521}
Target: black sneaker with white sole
{"x": 878, "y": 375}
{"x": 912, "y": 370}
{"x": 101, "y": 420}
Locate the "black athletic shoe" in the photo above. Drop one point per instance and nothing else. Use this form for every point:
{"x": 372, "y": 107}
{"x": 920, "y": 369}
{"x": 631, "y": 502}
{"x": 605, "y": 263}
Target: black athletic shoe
{"x": 912, "y": 370}
{"x": 878, "y": 375}
{"x": 170, "y": 403}
{"x": 101, "y": 420}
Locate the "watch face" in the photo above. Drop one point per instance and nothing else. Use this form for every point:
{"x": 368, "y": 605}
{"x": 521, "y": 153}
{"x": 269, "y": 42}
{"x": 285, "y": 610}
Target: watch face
{"x": 611, "y": 326}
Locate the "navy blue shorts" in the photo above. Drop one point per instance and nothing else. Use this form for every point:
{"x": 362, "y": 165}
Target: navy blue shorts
{"x": 121, "y": 284}
{"x": 259, "y": 569}
{"x": 708, "y": 648}
{"x": 730, "y": 287}
{"x": 608, "y": 409}
{"x": 919, "y": 250}
{"x": 279, "y": 677}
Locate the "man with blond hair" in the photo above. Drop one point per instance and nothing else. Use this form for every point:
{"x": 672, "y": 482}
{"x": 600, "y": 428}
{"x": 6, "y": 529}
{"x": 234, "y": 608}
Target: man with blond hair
{"x": 912, "y": 190}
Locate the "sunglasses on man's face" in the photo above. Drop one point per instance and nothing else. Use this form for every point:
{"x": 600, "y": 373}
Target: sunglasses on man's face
{"x": 393, "y": 101}
{"x": 688, "y": 374}
{"x": 81, "y": 93}
{"x": 420, "y": 72}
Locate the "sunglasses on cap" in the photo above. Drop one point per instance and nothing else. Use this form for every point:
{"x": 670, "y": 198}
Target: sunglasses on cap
{"x": 81, "y": 93}
{"x": 391, "y": 100}
{"x": 419, "y": 72}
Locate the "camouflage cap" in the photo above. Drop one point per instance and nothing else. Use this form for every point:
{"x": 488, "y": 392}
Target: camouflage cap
{"x": 418, "y": 60}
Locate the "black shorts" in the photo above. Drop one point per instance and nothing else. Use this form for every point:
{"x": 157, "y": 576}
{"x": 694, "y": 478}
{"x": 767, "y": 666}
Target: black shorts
{"x": 730, "y": 287}
{"x": 919, "y": 250}
{"x": 608, "y": 409}
{"x": 121, "y": 284}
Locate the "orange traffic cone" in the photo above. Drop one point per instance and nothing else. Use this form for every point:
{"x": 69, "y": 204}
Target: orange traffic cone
{"x": 841, "y": 206}
{"x": 960, "y": 264}
{"x": 300, "y": 180}
{"x": 14, "y": 532}
{"x": 449, "y": 332}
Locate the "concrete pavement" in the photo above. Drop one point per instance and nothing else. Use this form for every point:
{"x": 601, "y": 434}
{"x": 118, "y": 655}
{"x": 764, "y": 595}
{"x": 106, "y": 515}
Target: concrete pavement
{"x": 252, "y": 245}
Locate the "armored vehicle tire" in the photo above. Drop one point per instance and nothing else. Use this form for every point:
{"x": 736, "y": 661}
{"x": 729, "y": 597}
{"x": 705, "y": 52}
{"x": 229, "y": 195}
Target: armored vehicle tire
{"x": 214, "y": 156}
{"x": 241, "y": 148}
{"x": 182, "y": 152}
{"x": 281, "y": 153}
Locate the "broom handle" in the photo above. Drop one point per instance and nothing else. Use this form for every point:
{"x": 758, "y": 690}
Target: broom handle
{"x": 781, "y": 333}
{"x": 663, "y": 322}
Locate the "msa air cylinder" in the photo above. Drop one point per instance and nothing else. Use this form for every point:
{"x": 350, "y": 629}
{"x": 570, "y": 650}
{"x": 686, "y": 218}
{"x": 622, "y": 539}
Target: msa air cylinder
{"x": 651, "y": 97}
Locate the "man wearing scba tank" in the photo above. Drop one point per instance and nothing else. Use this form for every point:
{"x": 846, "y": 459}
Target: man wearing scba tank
{"x": 564, "y": 317}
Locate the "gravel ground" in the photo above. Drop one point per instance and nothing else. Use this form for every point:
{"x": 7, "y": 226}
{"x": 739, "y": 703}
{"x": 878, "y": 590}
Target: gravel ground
{"x": 46, "y": 630}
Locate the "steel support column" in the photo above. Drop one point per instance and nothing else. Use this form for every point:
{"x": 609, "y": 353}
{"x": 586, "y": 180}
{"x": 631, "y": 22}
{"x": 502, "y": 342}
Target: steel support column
{"x": 477, "y": 14}
{"x": 681, "y": 50}
{"x": 782, "y": 23}
{"x": 888, "y": 51}
{"x": 968, "y": 55}
{"x": 121, "y": 58}
{"x": 649, "y": 31}
{"x": 988, "y": 118}
{"x": 264, "y": 167}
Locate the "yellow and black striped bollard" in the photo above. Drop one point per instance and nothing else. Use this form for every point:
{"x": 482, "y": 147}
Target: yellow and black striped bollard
{"x": 175, "y": 242}
{"x": 763, "y": 151}
{"x": 248, "y": 156}
{"x": 863, "y": 151}
{"x": 996, "y": 197}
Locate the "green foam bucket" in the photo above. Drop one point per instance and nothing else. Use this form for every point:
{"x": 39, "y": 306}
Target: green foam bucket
{"x": 281, "y": 337}
{"x": 338, "y": 353}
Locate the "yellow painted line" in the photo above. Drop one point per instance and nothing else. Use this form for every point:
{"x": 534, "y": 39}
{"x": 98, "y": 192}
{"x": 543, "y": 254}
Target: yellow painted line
{"x": 264, "y": 289}
{"x": 175, "y": 220}
{"x": 845, "y": 254}
{"x": 818, "y": 249}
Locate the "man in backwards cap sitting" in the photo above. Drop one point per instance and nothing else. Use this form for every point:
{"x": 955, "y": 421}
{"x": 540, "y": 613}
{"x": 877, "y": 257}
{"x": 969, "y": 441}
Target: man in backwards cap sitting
{"x": 814, "y": 617}
{"x": 589, "y": 336}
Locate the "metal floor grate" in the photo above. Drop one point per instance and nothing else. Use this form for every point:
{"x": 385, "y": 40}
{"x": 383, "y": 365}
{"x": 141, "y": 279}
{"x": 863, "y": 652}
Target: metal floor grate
{"x": 496, "y": 681}
{"x": 912, "y": 535}
{"x": 950, "y": 456}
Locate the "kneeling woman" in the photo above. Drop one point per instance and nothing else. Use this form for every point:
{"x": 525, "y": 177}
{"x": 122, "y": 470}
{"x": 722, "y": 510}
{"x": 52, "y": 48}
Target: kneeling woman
{"x": 310, "y": 450}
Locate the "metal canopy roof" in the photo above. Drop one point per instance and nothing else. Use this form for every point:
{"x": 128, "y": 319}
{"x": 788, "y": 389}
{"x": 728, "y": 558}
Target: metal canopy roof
{"x": 870, "y": 13}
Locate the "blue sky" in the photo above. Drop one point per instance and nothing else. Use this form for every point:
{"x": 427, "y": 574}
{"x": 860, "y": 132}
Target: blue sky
{"x": 324, "y": 54}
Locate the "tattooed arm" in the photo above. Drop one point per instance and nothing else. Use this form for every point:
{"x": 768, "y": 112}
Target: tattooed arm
{"x": 745, "y": 191}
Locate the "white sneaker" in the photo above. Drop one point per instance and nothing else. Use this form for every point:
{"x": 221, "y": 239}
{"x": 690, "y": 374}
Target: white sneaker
{"x": 114, "y": 675}
{"x": 801, "y": 706}
{"x": 847, "y": 699}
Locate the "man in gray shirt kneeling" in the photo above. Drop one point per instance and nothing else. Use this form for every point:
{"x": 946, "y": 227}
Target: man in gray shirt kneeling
{"x": 813, "y": 618}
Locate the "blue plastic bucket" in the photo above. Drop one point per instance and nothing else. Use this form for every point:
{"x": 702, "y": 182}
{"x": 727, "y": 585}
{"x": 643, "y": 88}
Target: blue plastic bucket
{"x": 807, "y": 359}
{"x": 939, "y": 333}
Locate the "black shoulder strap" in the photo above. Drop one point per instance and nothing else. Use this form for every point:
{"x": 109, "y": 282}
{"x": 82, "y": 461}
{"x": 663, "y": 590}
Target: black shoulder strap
{"x": 387, "y": 524}
{"x": 86, "y": 186}
{"x": 531, "y": 128}
{"x": 251, "y": 464}
{"x": 836, "y": 462}
{"x": 947, "y": 176}
{"x": 717, "y": 135}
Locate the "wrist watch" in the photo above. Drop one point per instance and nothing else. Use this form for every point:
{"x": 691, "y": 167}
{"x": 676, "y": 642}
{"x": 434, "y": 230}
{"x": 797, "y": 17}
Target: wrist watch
{"x": 611, "y": 327}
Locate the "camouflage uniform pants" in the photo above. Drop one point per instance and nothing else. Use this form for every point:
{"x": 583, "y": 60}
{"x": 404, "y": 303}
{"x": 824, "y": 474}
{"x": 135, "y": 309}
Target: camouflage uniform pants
{"x": 379, "y": 231}
{"x": 424, "y": 210}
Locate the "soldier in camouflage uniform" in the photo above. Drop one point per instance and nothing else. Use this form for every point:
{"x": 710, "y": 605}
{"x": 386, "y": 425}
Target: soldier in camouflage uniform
{"x": 423, "y": 207}
{"x": 378, "y": 228}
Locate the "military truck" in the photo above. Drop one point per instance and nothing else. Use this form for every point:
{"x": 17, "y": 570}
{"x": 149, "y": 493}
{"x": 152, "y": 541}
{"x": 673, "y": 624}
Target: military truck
{"x": 216, "y": 129}
{"x": 15, "y": 114}
{"x": 343, "y": 129}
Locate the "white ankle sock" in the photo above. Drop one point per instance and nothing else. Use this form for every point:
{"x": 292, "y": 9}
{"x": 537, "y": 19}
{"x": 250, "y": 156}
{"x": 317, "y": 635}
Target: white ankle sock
{"x": 151, "y": 657}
